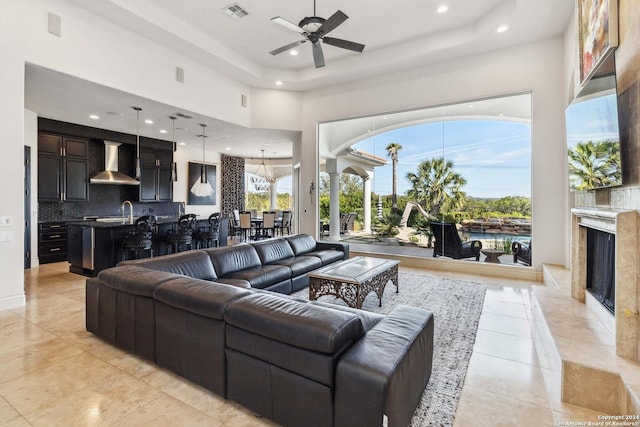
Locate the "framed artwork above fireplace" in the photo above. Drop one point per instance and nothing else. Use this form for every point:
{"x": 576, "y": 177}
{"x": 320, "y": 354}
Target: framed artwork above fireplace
{"x": 597, "y": 32}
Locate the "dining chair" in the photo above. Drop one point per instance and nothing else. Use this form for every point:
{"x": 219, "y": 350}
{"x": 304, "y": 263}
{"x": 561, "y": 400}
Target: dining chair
{"x": 246, "y": 226}
{"x": 268, "y": 224}
{"x": 285, "y": 223}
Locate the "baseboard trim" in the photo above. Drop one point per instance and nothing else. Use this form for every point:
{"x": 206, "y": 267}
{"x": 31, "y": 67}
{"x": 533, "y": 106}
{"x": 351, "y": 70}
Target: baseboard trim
{"x": 460, "y": 266}
{"x": 12, "y": 301}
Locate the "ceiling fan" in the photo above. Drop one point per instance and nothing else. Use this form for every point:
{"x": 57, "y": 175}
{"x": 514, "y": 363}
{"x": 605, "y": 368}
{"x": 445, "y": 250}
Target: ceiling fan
{"x": 315, "y": 29}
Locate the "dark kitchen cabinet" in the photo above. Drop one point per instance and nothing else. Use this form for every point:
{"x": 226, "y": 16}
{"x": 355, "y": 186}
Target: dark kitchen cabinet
{"x": 92, "y": 249}
{"x": 52, "y": 242}
{"x": 62, "y": 168}
{"x": 156, "y": 184}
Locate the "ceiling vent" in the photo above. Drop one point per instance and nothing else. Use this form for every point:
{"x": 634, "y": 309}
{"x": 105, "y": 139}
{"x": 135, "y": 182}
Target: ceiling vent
{"x": 235, "y": 11}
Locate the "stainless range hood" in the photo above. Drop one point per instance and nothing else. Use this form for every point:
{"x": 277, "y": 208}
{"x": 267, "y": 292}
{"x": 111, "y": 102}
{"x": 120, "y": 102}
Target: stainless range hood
{"x": 111, "y": 175}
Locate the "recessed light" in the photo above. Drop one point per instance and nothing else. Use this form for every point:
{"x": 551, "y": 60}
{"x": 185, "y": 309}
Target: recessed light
{"x": 278, "y": 83}
{"x": 470, "y": 105}
{"x": 163, "y": 131}
{"x": 293, "y": 52}
{"x": 228, "y": 148}
{"x": 501, "y": 114}
{"x": 94, "y": 116}
{"x": 182, "y": 143}
{"x": 502, "y": 28}
{"x": 442, "y": 9}
{"x": 149, "y": 121}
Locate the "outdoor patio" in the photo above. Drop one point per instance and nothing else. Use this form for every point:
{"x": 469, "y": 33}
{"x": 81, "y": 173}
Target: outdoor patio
{"x": 403, "y": 244}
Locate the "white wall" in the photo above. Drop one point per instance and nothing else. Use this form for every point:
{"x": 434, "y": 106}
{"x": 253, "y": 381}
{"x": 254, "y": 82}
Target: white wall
{"x": 276, "y": 109}
{"x": 193, "y": 153}
{"x": 536, "y": 67}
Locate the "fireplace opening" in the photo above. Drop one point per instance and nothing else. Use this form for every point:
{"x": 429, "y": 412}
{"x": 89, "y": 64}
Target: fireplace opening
{"x": 601, "y": 274}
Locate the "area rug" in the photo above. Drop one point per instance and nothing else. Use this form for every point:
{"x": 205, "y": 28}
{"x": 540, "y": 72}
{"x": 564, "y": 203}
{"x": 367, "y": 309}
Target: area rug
{"x": 456, "y": 306}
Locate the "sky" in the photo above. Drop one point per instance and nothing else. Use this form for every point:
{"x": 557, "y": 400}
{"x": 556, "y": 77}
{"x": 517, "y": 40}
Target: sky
{"x": 494, "y": 156}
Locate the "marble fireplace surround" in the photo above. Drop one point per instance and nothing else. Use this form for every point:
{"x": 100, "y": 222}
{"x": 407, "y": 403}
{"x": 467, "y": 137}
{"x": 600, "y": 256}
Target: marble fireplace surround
{"x": 624, "y": 225}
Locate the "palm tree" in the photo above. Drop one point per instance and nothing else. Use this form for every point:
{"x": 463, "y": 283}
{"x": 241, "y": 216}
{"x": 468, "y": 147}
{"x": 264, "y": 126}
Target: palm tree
{"x": 392, "y": 151}
{"x": 437, "y": 187}
{"x": 594, "y": 164}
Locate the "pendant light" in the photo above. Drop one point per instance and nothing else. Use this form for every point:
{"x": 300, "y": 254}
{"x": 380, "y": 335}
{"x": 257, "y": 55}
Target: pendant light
{"x": 262, "y": 181}
{"x": 174, "y": 167}
{"x": 202, "y": 188}
{"x": 138, "y": 166}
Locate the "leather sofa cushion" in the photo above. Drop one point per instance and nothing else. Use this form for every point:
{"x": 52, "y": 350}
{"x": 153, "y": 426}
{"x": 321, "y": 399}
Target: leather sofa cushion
{"x": 189, "y": 263}
{"x": 201, "y": 297}
{"x": 263, "y": 276}
{"x": 304, "y": 244}
{"x": 300, "y": 264}
{"x": 327, "y": 256}
{"x": 239, "y": 283}
{"x": 273, "y": 250}
{"x": 298, "y": 324}
{"x": 134, "y": 279}
{"x": 231, "y": 259}
{"x": 301, "y": 243}
{"x": 319, "y": 367}
{"x": 368, "y": 319}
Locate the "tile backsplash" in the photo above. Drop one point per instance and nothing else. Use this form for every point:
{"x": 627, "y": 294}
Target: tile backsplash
{"x": 105, "y": 200}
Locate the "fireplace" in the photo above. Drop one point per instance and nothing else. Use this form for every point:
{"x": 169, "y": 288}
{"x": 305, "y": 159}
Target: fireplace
{"x": 601, "y": 262}
{"x": 605, "y": 261}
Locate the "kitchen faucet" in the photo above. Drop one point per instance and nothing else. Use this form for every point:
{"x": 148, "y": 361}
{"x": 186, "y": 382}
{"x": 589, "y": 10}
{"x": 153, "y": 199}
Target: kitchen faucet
{"x": 130, "y": 211}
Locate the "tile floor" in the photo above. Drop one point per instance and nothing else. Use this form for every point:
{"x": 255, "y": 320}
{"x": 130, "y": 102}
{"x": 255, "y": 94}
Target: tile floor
{"x": 53, "y": 372}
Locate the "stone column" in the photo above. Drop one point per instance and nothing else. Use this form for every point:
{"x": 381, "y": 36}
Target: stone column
{"x": 366, "y": 222}
{"x": 273, "y": 193}
{"x": 334, "y": 205}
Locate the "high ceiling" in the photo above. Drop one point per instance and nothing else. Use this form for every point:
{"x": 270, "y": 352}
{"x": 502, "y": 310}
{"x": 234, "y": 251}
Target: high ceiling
{"x": 397, "y": 35}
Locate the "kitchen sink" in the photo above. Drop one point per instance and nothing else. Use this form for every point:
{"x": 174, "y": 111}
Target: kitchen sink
{"x": 112, "y": 219}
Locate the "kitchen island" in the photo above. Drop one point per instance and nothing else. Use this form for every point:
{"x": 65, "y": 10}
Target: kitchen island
{"x": 93, "y": 245}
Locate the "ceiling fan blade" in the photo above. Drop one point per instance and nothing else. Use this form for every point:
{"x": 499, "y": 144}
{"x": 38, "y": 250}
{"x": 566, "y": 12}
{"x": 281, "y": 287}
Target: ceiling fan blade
{"x": 287, "y": 24}
{"x": 287, "y": 47}
{"x": 318, "y": 56}
{"x": 344, "y": 44}
{"x": 330, "y": 24}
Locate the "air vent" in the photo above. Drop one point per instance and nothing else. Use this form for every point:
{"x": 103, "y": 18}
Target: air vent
{"x": 184, "y": 116}
{"x": 235, "y": 11}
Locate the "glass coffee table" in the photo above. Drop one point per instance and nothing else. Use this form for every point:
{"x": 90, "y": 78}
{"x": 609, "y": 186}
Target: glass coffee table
{"x": 353, "y": 279}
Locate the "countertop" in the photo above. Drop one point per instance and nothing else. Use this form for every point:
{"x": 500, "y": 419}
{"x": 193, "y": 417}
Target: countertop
{"x": 117, "y": 222}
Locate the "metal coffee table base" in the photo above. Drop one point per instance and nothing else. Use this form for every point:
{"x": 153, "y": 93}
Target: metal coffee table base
{"x": 354, "y": 293}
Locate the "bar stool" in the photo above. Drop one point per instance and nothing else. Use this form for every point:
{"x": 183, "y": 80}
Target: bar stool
{"x": 208, "y": 237}
{"x": 140, "y": 239}
{"x": 182, "y": 236}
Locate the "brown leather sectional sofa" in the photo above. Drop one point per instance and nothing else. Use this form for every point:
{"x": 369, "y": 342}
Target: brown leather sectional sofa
{"x": 293, "y": 361}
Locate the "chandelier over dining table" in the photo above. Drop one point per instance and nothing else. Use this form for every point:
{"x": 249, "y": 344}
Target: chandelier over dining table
{"x": 260, "y": 179}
